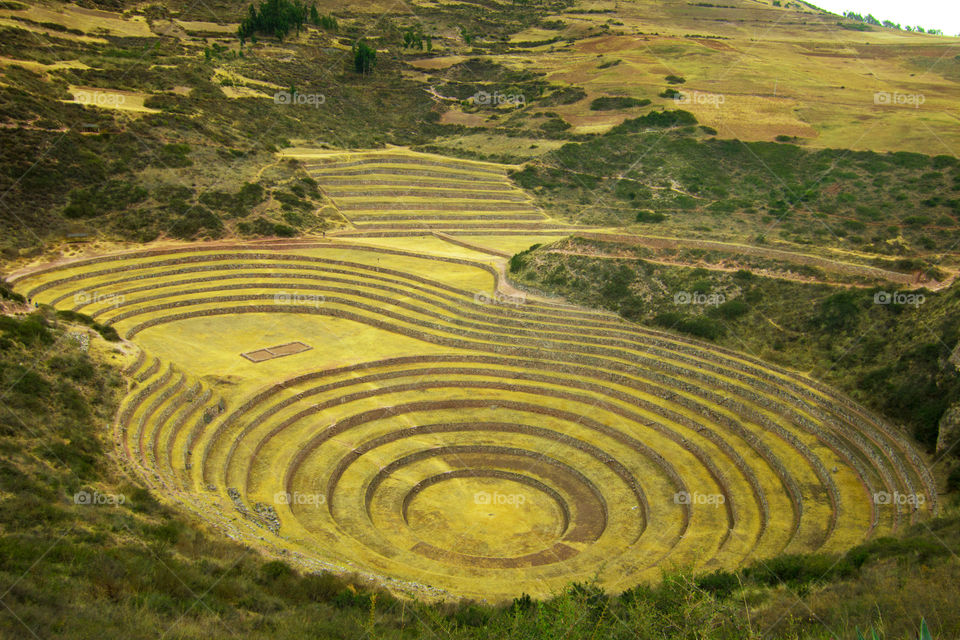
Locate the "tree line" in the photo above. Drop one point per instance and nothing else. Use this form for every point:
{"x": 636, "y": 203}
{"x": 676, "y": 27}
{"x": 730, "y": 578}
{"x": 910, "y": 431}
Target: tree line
{"x": 869, "y": 19}
{"x": 278, "y": 17}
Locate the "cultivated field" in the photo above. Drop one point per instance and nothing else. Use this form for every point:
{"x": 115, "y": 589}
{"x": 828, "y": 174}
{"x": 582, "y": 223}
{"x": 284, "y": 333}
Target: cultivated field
{"x": 413, "y": 422}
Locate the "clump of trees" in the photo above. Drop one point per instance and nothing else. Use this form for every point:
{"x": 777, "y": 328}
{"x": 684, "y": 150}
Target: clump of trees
{"x": 324, "y": 22}
{"x": 277, "y": 17}
{"x": 466, "y": 35}
{"x": 364, "y": 57}
{"x": 606, "y": 103}
{"x": 413, "y": 38}
{"x": 273, "y": 17}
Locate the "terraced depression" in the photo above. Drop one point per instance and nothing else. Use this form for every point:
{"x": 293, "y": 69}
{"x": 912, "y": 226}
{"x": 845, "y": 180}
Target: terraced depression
{"x": 410, "y": 417}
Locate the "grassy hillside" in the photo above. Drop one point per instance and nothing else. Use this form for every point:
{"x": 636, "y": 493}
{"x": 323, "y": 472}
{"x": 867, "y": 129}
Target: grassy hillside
{"x": 171, "y": 133}
{"x": 199, "y": 163}
{"x": 662, "y": 174}
{"x": 162, "y": 119}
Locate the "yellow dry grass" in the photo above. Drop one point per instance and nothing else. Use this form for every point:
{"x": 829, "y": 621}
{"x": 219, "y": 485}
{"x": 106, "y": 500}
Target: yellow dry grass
{"x": 439, "y": 62}
{"x": 128, "y": 101}
{"x": 494, "y": 143}
{"x": 40, "y": 67}
{"x": 336, "y": 343}
{"x": 227, "y": 28}
{"x": 42, "y": 32}
{"x": 455, "y": 115}
{"x": 90, "y": 21}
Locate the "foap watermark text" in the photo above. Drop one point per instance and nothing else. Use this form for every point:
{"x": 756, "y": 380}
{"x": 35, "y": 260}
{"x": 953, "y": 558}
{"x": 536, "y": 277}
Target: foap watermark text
{"x": 497, "y": 99}
{"x": 82, "y": 298}
{"x": 897, "y": 99}
{"x": 699, "y": 98}
{"x": 299, "y": 299}
{"x": 899, "y": 297}
{"x": 299, "y": 499}
{"x": 297, "y": 98}
{"x": 500, "y": 299}
{"x": 695, "y": 498}
{"x": 96, "y": 498}
{"x": 497, "y": 498}
{"x": 699, "y": 297}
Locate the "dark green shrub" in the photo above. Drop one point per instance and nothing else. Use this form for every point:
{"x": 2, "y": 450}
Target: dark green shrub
{"x": 196, "y": 221}
{"x": 953, "y": 480}
{"x": 518, "y": 261}
{"x": 172, "y": 156}
{"x": 321, "y": 587}
{"x": 564, "y": 95}
{"x": 617, "y": 285}
{"x": 648, "y": 216}
{"x": 114, "y": 195}
{"x": 31, "y": 330}
{"x": 731, "y": 309}
{"x": 798, "y": 570}
{"x": 617, "y": 102}
{"x": 719, "y": 583}
{"x": 275, "y": 569}
{"x": 555, "y": 125}
{"x": 167, "y": 532}
{"x": 701, "y": 286}
{"x": 699, "y": 326}
{"x": 471, "y": 615}
{"x": 349, "y": 599}
{"x": 839, "y": 311}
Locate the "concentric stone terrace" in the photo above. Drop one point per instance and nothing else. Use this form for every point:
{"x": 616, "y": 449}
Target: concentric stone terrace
{"x": 398, "y": 190}
{"x": 437, "y": 434}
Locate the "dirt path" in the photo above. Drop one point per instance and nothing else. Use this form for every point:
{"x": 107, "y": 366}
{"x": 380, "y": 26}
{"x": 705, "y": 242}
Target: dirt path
{"x": 836, "y": 266}
{"x": 469, "y": 245}
{"x": 674, "y": 263}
